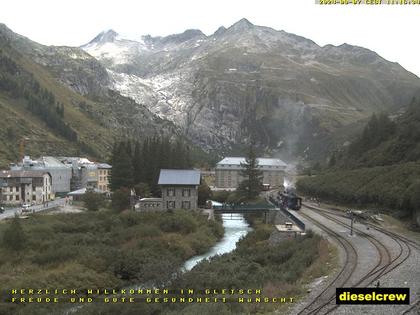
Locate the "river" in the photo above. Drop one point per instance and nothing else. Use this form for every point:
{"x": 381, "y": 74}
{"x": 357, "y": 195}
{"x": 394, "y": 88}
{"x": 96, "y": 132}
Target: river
{"x": 235, "y": 227}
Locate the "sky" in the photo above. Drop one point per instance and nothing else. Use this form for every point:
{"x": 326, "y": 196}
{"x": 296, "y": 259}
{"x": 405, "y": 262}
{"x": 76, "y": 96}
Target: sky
{"x": 390, "y": 30}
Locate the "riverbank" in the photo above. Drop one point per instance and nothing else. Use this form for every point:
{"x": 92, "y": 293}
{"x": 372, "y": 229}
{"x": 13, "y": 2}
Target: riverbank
{"x": 102, "y": 250}
{"x": 273, "y": 276}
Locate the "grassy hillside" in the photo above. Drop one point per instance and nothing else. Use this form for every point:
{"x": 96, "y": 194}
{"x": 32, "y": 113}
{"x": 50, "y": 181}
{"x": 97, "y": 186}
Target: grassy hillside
{"x": 384, "y": 141}
{"x": 36, "y": 107}
{"x": 58, "y": 101}
{"x": 393, "y": 187}
{"x": 380, "y": 167}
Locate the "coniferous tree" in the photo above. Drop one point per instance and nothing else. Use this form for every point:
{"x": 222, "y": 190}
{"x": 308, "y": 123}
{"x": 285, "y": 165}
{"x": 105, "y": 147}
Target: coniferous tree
{"x": 137, "y": 164}
{"x": 204, "y": 193}
{"x": 122, "y": 167}
{"x": 147, "y": 159}
{"x": 93, "y": 201}
{"x": 121, "y": 199}
{"x": 251, "y": 185}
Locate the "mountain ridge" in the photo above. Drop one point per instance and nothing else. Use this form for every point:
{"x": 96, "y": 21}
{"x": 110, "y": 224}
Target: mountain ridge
{"x": 202, "y": 84}
{"x": 219, "y": 91}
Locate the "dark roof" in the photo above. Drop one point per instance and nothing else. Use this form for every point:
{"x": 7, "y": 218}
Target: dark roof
{"x": 22, "y": 174}
{"x": 179, "y": 177}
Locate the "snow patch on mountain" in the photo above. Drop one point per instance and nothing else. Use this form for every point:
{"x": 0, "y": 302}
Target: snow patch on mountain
{"x": 165, "y": 95}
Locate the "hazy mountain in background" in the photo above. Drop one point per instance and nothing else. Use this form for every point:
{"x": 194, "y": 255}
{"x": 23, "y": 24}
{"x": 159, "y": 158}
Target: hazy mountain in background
{"x": 291, "y": 94}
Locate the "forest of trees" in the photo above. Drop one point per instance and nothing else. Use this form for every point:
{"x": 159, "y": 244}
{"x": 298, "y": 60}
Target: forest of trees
{"x": 381, "y": 167}
{"x": 18, "y": 83}
{"x": 383, "y": 141}
{"x": 395, "y": 187}
{"x": 138, "y": 163}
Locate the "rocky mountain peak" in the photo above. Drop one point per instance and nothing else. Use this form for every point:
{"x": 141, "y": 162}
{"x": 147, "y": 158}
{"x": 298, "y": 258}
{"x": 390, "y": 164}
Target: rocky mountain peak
{"x": 242, "y": 25}
{"x": 104, "y": 37}
{"x": 182, "y": 37}
{"x": 221, "y": 30}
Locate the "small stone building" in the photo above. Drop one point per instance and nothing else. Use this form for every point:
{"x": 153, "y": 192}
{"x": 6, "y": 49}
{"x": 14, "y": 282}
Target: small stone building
{"x": 179, "y": 188}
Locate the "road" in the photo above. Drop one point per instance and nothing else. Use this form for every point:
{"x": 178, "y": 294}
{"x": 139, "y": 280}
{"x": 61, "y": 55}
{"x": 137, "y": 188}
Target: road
{"x": 10, "y": 212}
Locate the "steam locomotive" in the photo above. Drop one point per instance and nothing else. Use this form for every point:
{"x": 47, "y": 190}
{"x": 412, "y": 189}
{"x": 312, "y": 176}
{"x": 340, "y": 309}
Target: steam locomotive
{"x": 287, "y": 199}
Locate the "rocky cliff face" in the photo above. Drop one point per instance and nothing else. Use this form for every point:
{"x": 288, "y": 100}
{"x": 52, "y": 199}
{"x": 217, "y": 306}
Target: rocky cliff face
{"x": 252, "y": 81}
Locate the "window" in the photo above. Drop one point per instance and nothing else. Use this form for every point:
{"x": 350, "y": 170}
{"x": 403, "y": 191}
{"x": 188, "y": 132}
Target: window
{"x": 170, "y": 204}
{"x": 170, "y": 192}
{"x": 17, "y": 197}
{"x": 33, "y": 197}
{"x": 186, "y": 205}
{"x": 186, "y": 192}
{"x": 17, "y": 188}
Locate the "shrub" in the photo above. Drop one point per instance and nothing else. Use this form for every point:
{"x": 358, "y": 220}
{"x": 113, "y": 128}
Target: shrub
{"x": 93, "y": 201}
{"x": 121, "y": 199}
{"x": 178, "y": 221}
{"x": 55, "y": 255}
{"x": 204, "y": 194}
{"x": 14, "y": 238}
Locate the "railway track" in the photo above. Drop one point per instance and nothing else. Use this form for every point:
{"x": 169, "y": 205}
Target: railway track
{"x": 374, "y": 273}
{"x": 338, "y": 212}
{"x": 342, "y": 276}
{"x": 377, "y": 243}
{"x": 321, "y": 304}
{"x": 325, "y": 297}
{"x": 404, "y": 252}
